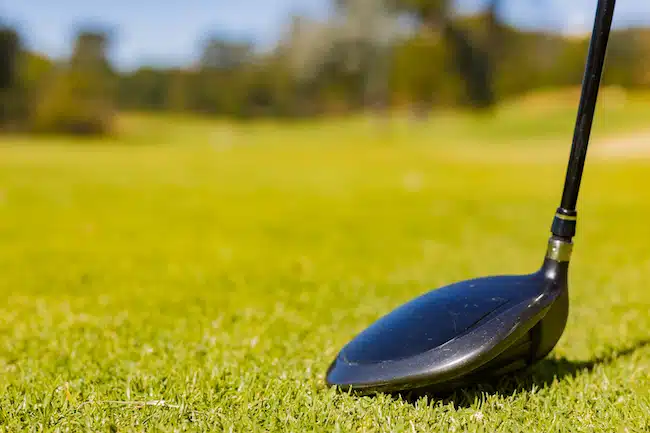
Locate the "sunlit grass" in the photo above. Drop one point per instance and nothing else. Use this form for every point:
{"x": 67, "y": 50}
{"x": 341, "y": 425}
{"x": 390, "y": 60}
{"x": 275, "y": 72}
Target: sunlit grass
{"x": 201, "y": 276}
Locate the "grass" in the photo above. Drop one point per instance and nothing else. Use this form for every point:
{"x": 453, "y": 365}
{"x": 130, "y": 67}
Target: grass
{"x": 201, "y": 277}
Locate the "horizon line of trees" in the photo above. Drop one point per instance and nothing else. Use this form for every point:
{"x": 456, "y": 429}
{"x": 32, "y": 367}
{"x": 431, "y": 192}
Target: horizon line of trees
{"x": 361, "y": 59}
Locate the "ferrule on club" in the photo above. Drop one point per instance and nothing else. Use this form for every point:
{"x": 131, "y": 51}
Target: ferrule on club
{"x": 559, "y": 250}
{"x": 564, "y": 224}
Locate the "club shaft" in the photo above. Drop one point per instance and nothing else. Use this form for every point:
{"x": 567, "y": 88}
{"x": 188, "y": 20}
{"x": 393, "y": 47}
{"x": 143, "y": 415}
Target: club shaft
{"x": 588, "y": 99}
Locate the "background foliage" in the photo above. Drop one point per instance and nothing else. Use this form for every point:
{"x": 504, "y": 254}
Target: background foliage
{"x": 364, "y": 57}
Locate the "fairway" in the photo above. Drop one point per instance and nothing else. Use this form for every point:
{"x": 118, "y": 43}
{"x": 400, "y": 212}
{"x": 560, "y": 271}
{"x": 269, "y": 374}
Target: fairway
{"x": 193, "y": 275}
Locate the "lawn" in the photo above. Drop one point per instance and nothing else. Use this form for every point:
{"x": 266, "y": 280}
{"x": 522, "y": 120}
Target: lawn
{"x": 194, "y": 275}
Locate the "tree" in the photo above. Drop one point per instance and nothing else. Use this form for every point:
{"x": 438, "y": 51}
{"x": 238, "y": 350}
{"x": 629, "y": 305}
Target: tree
{"x": 474, "y": 58}
{"x": 80, "y": 99}
{"x": 9, "y": 53}
{"x": 368, "y": 32}
{"x": 178, "y": 95}
{"x": 224, "y": 55}
{"x": 12, "y": 98}
{"x": 223, "y": 70}
{"x": 144, "y": 89}
{"x": 421, "y": 77}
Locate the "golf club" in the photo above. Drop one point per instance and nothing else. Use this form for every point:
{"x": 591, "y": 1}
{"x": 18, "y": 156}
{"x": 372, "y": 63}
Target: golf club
{"x": 482, "y": 328}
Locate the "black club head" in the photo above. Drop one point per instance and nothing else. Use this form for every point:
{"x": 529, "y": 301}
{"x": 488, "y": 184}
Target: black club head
{"x": 477, "y": 328}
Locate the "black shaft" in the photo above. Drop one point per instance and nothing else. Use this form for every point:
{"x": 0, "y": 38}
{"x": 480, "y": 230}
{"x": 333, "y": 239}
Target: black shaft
{"x": 587, "y": 108}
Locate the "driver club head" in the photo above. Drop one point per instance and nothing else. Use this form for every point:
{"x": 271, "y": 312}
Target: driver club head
{"x": 479, "y": 329}
{"x": 476, "y": 329}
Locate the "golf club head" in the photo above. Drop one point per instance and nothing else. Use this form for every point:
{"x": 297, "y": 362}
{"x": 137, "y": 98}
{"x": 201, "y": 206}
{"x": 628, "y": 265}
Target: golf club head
{"x": 460, "y": 334}
{"x": 479, "y": 329}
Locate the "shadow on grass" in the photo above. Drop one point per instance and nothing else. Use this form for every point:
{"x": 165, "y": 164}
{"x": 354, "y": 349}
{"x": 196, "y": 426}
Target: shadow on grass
{"x": 543, "y": 374}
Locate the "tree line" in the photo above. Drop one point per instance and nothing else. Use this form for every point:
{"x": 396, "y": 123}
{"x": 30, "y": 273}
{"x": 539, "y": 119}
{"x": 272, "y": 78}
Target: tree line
{"x": 363, "y": 58}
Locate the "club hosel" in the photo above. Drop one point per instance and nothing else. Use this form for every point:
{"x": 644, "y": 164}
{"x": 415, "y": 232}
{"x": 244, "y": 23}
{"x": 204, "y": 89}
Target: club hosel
{"x": 556, "y": 262}
{"x": 559, "y": 250}
{"x": 564, "y": 224}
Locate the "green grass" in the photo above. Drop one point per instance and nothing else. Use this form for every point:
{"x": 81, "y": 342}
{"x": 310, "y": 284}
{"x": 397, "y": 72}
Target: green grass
{"x": 221, "y": 268}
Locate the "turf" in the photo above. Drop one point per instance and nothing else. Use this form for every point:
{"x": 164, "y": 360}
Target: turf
{"x": 199, "y": 276}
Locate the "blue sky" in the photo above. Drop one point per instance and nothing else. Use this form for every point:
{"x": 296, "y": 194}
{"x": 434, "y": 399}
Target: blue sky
{"x": 168, "y": 31}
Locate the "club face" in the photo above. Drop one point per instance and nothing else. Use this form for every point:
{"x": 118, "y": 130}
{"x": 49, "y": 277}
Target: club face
{"x": 456, "y": 331}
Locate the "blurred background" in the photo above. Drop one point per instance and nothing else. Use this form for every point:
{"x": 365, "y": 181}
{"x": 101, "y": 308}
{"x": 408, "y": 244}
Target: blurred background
{"x": 70, "y": 66}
